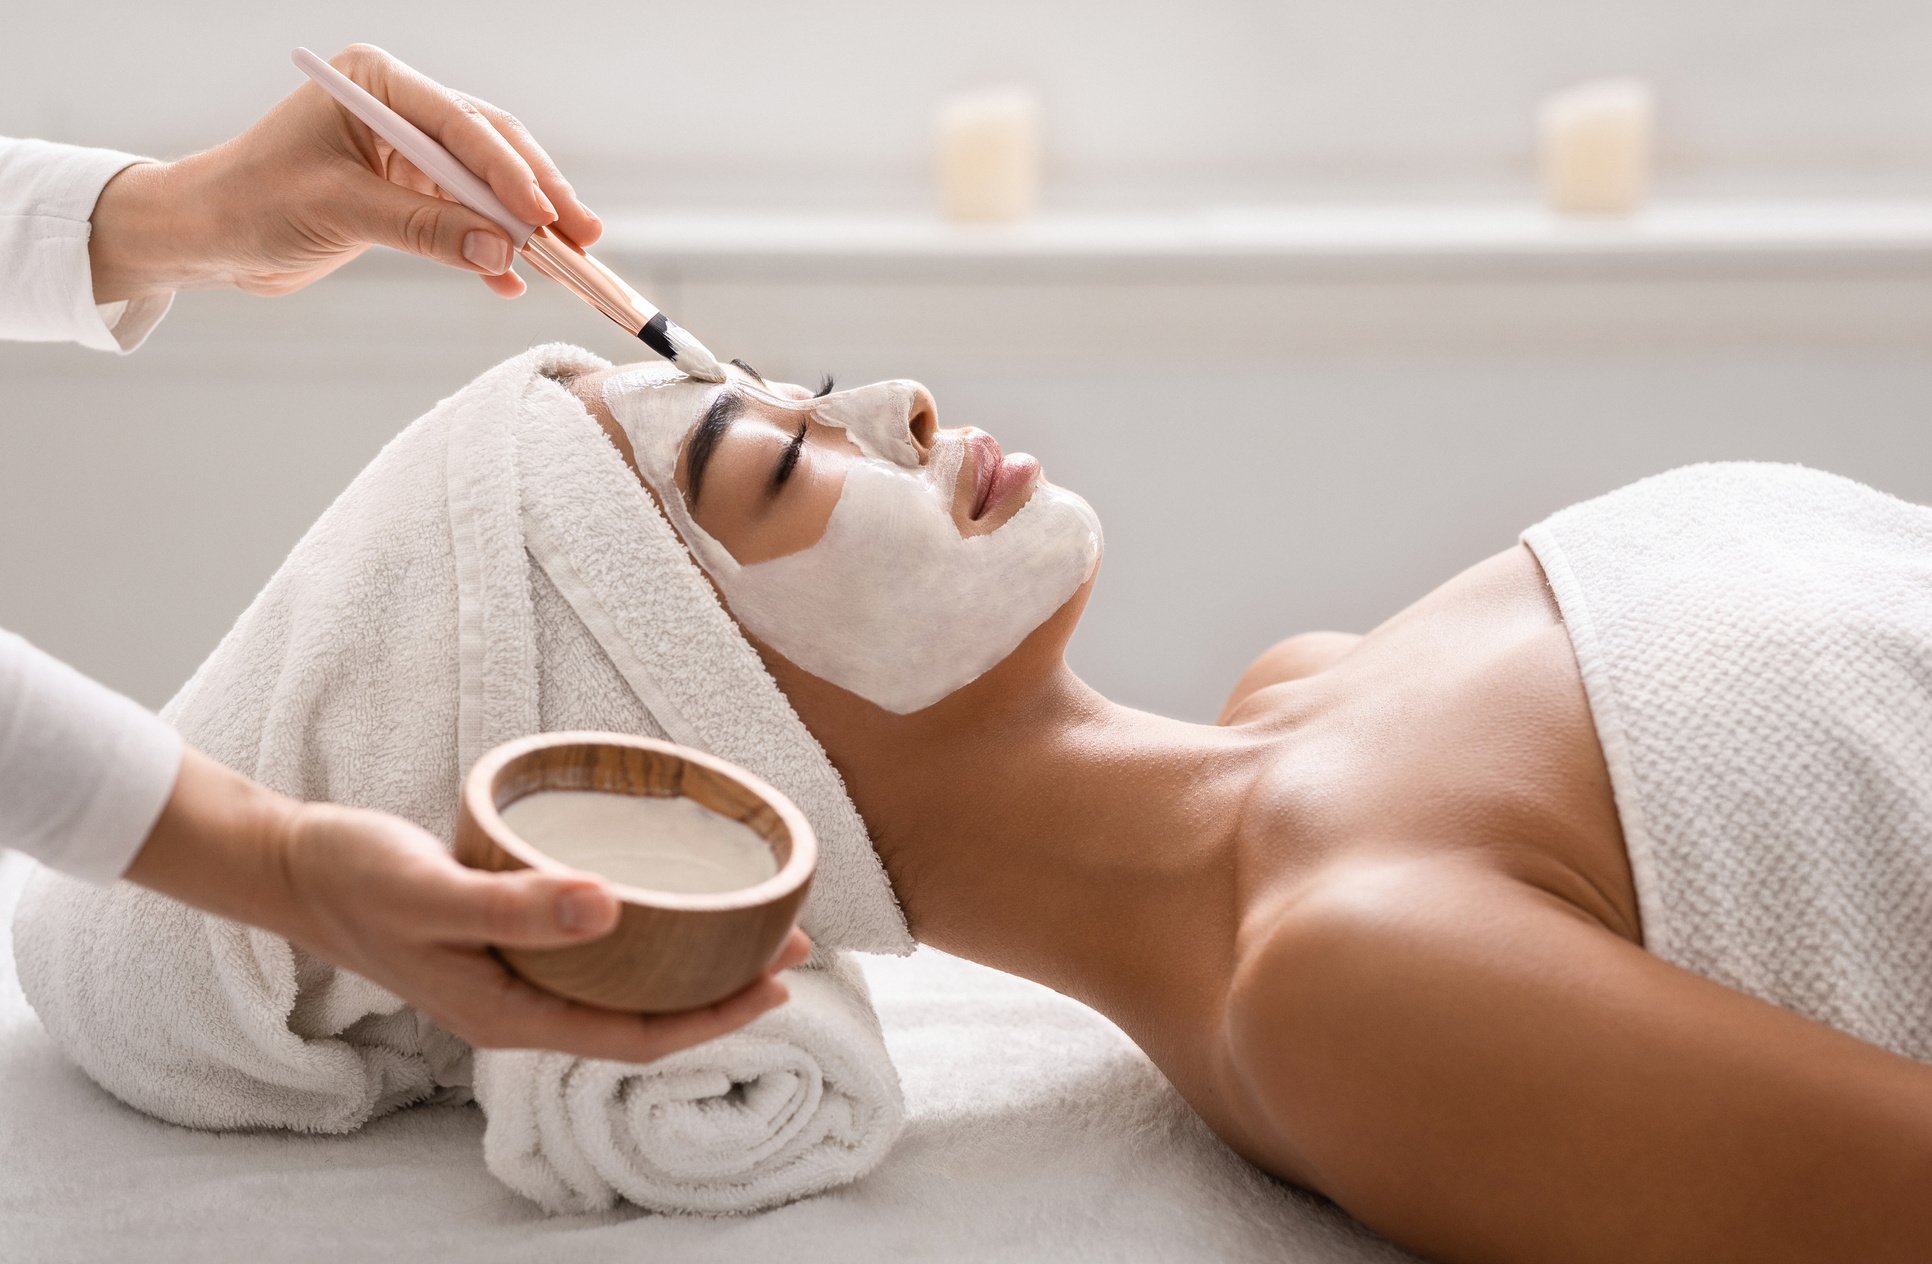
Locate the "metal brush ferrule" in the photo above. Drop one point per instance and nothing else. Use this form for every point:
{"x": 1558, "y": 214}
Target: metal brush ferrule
{"x": 565, "y": 262}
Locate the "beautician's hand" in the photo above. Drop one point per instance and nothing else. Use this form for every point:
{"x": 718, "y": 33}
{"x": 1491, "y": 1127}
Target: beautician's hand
{"x": 376, "y": 895}
{"x": 308, "y": 188}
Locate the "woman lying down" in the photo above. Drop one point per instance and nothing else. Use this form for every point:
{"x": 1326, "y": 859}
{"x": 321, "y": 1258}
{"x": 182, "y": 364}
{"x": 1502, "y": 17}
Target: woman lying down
{"x": 1579, "y": 911}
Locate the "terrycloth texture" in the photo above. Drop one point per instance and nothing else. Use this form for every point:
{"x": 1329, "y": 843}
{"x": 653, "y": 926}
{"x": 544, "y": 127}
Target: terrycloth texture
{"x": 1035, "y": 1131}
{"x": 496, "y": 571}
{"x": 577, "y": 1135}
{"x": 1756, "y": 643}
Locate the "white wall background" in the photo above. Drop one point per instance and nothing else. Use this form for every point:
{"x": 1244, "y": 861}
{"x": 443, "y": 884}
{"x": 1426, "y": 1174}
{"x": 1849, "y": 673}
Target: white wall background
{"x": 1379, "y": 423}
{"x": 738, "y": 100}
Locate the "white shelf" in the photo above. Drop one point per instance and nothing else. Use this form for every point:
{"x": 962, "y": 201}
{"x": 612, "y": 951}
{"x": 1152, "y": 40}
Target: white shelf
{"x": 1239, "y": 242}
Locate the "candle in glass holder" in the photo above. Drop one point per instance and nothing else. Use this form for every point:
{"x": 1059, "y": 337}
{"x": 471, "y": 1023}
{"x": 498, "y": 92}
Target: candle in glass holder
{"x": 1596, "y": 146}
{"x": 989, "y": 154}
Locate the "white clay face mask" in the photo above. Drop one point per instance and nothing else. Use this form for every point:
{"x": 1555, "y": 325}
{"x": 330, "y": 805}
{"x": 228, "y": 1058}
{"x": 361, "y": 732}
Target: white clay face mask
{"x": 659, "y": 844}
{"x": 891, "y": 602}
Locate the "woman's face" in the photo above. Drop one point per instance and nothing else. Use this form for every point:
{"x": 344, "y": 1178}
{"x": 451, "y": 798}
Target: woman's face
{"x": 849, "y": 532}
{"x": 765, "y": 481}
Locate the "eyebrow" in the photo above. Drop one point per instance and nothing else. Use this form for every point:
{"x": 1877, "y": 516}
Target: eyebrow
{"x": 704, "y": 441}
{"x": 748, "y": 369}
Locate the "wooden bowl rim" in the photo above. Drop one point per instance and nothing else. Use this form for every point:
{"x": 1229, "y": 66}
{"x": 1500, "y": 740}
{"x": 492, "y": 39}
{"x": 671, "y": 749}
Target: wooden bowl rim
{"x": 480, "y": 798}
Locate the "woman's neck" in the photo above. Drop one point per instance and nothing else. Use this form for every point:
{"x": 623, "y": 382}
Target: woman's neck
{"x": 1085, "y": 845}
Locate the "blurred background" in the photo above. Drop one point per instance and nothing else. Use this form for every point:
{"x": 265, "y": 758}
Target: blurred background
{"x": 1317, "y": 302}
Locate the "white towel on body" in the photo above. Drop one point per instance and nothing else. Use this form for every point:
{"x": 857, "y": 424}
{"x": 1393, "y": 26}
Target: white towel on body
{"x": 496, "y": 571}
{"x": 1756, "y": 644}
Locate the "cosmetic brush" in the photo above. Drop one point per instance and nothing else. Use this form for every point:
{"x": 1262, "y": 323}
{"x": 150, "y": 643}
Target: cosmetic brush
{"x": 546, "y": 249}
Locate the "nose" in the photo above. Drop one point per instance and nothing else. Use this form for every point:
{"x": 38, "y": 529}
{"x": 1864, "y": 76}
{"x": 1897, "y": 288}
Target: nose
{"x": 922, "y": 419}
{"x": 892, "y": 421}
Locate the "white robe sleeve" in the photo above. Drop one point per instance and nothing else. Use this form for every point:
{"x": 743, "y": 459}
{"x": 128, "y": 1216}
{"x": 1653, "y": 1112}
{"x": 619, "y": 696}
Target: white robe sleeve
{"x": 47, "y": 196}
{"x": 84, "y": 771}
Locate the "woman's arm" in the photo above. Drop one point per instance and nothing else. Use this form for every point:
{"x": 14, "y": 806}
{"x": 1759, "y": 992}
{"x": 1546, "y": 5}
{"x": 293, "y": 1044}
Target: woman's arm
{"x": 380, "y": 896}
{"x": 1483, "y": 1074}
{"x": 48, "y": 195}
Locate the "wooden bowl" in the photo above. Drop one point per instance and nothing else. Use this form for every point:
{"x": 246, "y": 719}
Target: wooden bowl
{"x": 670, "y": 951}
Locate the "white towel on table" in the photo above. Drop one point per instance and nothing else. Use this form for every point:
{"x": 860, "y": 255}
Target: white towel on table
{"x": 715, "y": 1132}
{"x": 496, "y": 571}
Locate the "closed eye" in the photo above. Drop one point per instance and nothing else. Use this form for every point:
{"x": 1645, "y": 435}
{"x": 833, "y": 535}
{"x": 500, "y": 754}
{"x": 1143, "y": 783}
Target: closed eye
{"x": 789, "y": 461}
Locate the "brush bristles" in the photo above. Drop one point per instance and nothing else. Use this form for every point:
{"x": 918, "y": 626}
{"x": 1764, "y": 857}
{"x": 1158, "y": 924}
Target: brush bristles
{"x": 693, "y": 357}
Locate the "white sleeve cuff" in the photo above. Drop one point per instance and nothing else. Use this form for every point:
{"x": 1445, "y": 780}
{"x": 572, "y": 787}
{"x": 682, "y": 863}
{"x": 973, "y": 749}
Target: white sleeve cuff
{"x": 84, "y": 771}
{"x": 129, "y": 321}
{"x": 47, "y": 197}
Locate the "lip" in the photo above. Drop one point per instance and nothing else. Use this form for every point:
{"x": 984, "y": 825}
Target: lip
{"x": 987, "y": 460}
{"x": 1012, "y": 481}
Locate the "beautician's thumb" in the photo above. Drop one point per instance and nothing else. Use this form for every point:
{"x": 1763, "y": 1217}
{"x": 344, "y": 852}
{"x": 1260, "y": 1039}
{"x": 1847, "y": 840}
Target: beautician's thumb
{"x": 530, "y": 910}
{"x": 386, "y": 214}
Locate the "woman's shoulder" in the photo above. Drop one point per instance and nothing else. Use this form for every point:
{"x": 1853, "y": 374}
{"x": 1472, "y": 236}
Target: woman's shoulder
{"x": 1425, "y": 1046}
{"x": 1298, "y": 656}
{"x": 1326, "y": 965}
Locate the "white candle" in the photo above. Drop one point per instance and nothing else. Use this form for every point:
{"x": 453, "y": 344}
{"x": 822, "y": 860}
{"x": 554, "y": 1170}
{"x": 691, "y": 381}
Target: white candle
{"x": 989, "y": 154}
{"x": 639, "y": 841}
{"x": 1596, "y": 144}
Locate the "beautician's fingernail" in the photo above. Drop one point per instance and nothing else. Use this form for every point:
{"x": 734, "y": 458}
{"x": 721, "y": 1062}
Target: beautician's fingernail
{"x": 580, "y": 910}
{"x": 487, "y": 251}
{"x": 544, "y": 202}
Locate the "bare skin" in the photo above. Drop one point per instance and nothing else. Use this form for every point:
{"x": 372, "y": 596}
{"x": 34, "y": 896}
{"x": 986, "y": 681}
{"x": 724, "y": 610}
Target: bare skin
{"x": 1378, "y": 927}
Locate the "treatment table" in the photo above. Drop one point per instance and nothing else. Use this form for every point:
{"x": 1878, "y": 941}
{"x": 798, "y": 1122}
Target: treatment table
{"x": 1035, "y": 1131}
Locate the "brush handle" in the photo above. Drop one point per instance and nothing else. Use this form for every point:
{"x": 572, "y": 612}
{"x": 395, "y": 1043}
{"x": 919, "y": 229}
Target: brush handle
{"x": 416, "y": 145}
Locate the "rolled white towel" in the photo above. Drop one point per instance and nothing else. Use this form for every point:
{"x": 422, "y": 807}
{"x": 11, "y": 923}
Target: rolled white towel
{"x": 211, "y": 1024}
{"x": 803, "y": 1101}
